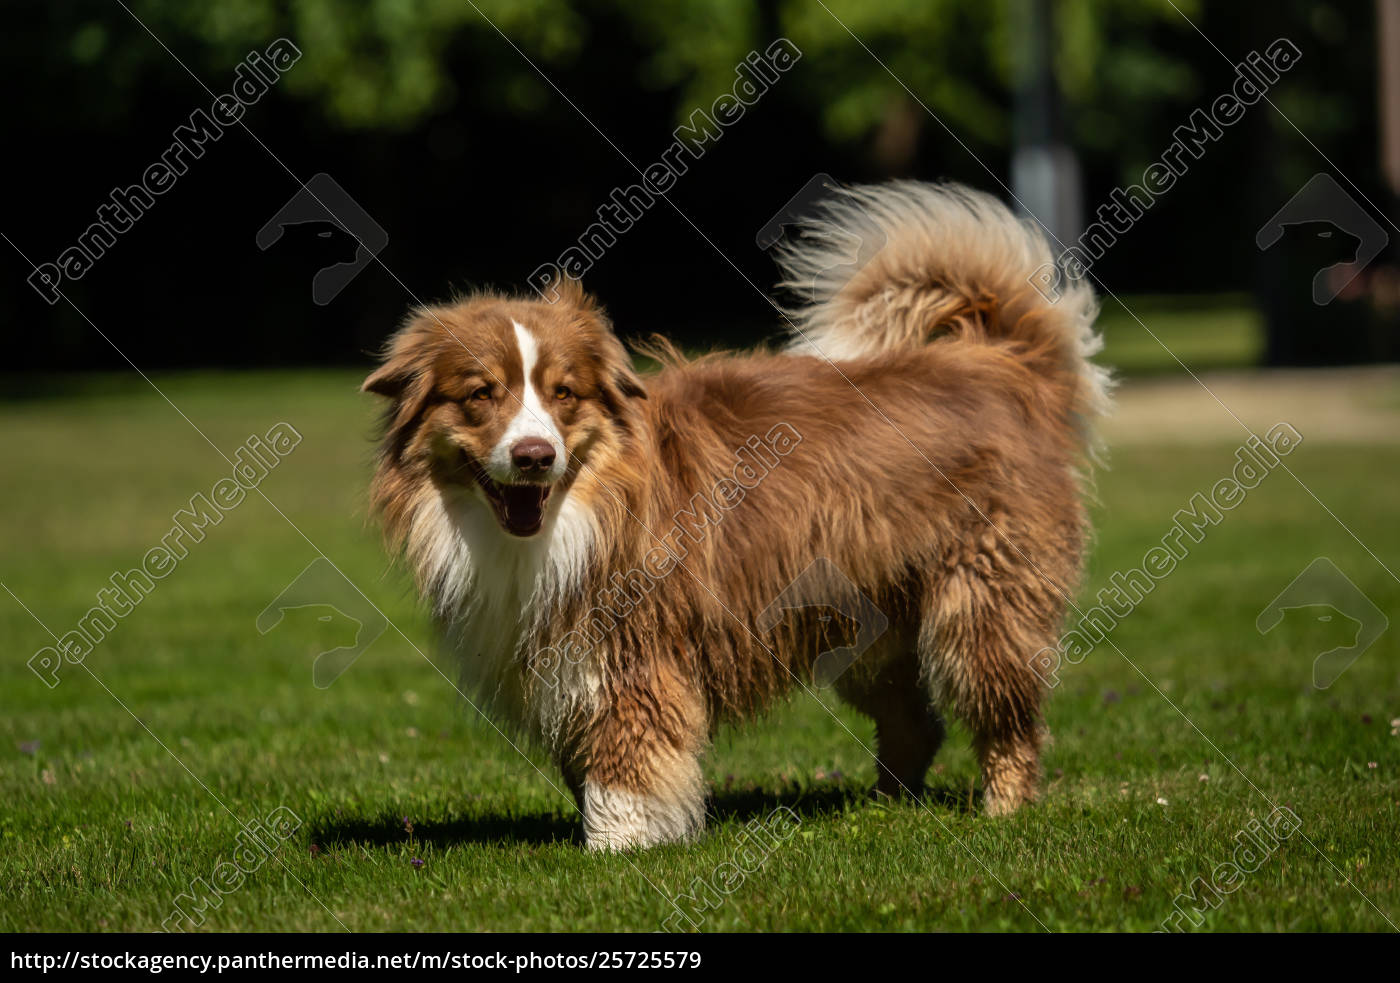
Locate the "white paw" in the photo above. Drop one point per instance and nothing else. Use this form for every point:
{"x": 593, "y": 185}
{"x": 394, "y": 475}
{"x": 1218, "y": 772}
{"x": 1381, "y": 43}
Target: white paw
{"x": 615, "y": 819}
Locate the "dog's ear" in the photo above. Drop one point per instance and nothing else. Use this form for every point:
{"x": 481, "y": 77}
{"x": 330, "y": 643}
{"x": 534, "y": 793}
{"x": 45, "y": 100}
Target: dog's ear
{"x": 626, "y": 379}
{"x": 621, "y": 379}
{"x": 390, "y": 379}
{"x": 406, "y": 377}
{"x": 564, "y": 289}
{"x": 409, "y": 386}
{"x": 622, "y": 376}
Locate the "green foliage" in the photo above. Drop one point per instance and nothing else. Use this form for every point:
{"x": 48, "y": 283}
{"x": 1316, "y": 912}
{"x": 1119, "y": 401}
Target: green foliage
{"x": 381, "y": 63}
{"x": 375, "y": 64}
{"x": 1129, "y": 70}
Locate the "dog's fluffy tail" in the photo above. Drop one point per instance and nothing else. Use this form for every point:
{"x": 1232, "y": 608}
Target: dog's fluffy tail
{"x": 899, "y": 265}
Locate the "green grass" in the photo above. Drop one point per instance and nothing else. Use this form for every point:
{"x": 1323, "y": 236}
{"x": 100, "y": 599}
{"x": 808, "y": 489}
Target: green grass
{"x": 102, "y": 826}
{"x": 1219, "y": 331}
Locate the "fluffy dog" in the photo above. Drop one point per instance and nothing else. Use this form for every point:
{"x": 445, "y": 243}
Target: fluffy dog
{"x": 621, "y": 564}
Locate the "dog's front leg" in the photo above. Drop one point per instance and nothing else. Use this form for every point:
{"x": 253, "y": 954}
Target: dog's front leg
{"x": 642, "y": 784}
{"x": 669, "y": 809}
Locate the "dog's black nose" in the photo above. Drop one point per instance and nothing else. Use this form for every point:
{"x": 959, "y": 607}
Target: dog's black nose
{"x": 533, "y": 456}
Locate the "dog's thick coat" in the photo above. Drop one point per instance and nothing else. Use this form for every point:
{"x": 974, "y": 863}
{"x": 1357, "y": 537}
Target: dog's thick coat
{"x": 621, "y": 565}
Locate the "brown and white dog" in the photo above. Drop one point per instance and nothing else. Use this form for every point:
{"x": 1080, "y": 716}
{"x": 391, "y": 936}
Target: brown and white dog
{"x": 604, "y": 556}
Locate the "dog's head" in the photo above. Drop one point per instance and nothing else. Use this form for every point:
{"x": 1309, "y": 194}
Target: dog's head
{"x": 506, "y": 399}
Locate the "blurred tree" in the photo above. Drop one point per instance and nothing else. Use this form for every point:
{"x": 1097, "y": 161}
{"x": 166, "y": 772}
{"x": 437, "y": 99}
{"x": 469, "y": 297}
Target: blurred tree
{"x": 422, "y": 107}
{"x": 383, "y": 63}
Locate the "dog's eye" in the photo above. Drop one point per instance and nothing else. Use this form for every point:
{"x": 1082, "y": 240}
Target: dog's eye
{"x": 563, "y": 392}
{"x": 481, "y": 392}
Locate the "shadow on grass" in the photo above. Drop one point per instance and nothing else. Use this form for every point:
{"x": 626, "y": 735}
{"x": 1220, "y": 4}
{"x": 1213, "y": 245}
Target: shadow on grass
{"x": 505, "y": 830}
{"x": 543, "y": 828}
{"x": 741, "y": 805}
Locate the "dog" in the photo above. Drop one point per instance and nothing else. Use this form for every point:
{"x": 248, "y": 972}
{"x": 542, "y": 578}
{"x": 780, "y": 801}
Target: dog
{"x": 620, "y": 564}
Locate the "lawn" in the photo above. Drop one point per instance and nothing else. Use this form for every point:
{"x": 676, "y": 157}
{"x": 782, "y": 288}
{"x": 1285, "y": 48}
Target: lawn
{"x": 125, "y": 784}
{"x": 1215, "y": 331}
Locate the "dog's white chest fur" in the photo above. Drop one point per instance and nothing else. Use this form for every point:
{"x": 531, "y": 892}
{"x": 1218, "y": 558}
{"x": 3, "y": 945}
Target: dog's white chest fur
{"x": 494, "y": 593}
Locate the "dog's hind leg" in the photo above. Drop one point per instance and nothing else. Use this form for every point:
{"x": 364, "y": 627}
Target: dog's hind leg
{"x": 977, "y": 642}
{"x": 908, "y": 728}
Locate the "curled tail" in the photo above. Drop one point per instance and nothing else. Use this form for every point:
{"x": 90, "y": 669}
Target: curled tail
{"x": 939, "y": 261}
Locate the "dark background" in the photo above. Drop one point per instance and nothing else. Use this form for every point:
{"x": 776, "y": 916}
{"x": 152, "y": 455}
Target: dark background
{"x": 479, "y": 171}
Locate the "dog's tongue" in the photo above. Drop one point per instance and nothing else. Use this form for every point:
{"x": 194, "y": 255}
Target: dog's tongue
{"x": 522, "y": 507}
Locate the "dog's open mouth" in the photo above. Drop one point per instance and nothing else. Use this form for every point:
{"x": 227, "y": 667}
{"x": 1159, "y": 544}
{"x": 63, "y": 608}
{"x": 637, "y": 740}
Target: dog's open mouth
{"x": 519, "y": 508}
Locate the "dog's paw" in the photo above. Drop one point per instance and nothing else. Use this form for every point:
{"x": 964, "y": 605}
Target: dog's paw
{"x": 1005, "y": 801}
{"x": 616, "y": 819}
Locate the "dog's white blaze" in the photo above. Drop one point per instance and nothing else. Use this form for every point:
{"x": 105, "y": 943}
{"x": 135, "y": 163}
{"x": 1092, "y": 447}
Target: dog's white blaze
{"x": 532, "y": 419}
